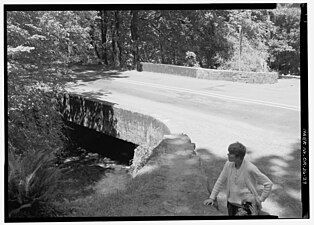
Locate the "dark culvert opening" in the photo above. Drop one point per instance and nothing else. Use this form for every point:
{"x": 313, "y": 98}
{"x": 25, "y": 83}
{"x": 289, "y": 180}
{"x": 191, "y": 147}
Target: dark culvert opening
{"x": 88, "y": 158}
{"x": 92, "y": 141}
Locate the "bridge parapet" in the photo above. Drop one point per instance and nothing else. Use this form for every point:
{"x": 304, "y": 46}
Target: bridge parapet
{"x": 213, "y": 74}
{"x": 105, "y": 117}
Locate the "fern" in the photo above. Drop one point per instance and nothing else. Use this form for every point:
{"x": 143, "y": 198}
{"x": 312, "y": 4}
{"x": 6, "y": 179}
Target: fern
{"x": 33, "y": 183}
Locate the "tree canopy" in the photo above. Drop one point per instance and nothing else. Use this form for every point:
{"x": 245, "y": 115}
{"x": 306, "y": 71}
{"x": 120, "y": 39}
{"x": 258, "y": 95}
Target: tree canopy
{"x": 250, "y": 40}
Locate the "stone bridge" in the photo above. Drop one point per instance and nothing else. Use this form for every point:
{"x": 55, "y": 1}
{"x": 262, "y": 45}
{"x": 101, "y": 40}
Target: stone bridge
{"x": 142, "y": 130}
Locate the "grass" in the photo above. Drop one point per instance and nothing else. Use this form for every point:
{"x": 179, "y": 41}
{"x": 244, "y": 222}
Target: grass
{"x": 176, "y": 186}
{"x": 79, "y": 179}
{"x": 146, "y": 194}
{"x": 163, "y": 191}
{"x": 139, "y": 192}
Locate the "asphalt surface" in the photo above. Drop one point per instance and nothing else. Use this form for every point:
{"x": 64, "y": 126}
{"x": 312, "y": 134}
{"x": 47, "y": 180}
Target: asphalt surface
{"x": 214, "y": 114}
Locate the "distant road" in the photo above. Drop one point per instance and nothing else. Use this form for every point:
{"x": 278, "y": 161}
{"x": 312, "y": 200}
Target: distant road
{"x": 210, "y": 94}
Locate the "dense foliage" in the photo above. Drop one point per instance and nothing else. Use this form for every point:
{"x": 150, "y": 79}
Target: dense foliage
{"x": 42, "y": 46}
{"x": 250, "y": 40}
{"x": 34, "y": 125}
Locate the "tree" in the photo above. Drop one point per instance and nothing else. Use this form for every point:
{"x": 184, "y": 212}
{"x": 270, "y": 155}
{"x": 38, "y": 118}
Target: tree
{"x": 34, "y": 124}
{"x": 249, "y": 35}
{"x": 104, "y": 27}
{"x": 116, "y": 45}
{"x": 135, "y": 39}
{"x": 285, "y": 42}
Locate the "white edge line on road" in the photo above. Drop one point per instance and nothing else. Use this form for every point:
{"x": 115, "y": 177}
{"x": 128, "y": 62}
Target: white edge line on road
{"x": 239, "y": 99}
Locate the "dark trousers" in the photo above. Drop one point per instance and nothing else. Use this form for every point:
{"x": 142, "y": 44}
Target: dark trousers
{"x": 246, "y": 209}
{"x": 232, "y": 209}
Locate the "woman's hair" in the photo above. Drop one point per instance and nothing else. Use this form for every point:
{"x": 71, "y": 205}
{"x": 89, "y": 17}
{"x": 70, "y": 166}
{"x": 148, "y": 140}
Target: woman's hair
{"x": 237, "y": 149}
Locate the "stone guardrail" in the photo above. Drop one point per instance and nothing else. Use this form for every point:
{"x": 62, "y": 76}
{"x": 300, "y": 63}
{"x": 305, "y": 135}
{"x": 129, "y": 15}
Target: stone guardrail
{"x": 143, "y": 130}
{"x": 212, "y": 74}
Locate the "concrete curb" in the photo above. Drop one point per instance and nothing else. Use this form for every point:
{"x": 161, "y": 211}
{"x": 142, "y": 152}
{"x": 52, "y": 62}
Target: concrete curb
{"x": 288, "y": 77}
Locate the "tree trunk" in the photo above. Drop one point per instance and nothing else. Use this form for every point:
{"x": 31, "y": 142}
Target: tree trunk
{"x": 116, "y": 48}
{"x": 135, "y": 40}
{"x": 93, "y": 42}
{"x": 174, "y": 57}
{"x": 240, "y": 47}
{"x": 240, "y": 40}
{"x": 104, "y": 29}
{"x": 163, "y": 60}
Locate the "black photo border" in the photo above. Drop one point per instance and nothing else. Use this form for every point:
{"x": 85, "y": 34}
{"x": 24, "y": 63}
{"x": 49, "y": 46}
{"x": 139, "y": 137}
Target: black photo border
{"x": 305, "y": 193}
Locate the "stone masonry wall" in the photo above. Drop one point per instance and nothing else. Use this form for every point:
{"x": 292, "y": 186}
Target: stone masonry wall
{"x": 211, "y": 74}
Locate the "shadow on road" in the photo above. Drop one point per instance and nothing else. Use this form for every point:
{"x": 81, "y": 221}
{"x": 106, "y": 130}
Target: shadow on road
{"x": 94, "y": 72}
{"x": 283, "y": 171}
{"x": 95, "y": 95}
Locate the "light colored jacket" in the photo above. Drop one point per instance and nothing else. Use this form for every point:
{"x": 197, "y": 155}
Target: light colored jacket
{"x": 250, "y": 174}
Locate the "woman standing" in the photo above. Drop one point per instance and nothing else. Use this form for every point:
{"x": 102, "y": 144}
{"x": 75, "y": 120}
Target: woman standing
{"x": 242, "y": 178}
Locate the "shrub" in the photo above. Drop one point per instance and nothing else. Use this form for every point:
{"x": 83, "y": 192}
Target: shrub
{"x": 190, "y": 58}
{"x": 34, "y": 139}
{"x": 250, "y": 62}
{"x": 33, "y": 182}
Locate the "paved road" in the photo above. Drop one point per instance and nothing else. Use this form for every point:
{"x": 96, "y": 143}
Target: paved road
{"x": 264, "y": 117}
{"x": 210, "y": 111}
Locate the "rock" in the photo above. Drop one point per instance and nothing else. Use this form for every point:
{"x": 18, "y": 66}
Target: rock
{"x": 71, "y": 159}
{"x": 92, "y": 155}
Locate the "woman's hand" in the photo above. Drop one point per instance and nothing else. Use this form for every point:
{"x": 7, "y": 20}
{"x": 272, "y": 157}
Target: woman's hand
{"x": 209, "y": 202}
{"x": 258, "y": 203}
